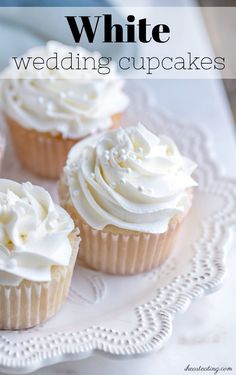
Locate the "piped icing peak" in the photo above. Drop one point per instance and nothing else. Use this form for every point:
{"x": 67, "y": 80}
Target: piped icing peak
{"x": 71, "y": 103}
{"x": 129, "y": 178}
{"x": 33, "y": 233}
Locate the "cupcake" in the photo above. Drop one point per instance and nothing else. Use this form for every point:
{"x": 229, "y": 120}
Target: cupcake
{"x": 38, "y": 248}
{"x": 50, "y": 110}
{"x": 128, "y": 191}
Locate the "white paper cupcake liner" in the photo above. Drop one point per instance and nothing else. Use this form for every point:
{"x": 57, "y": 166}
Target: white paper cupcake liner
{"x": 42, "y": 153}
{"x": 31, "y": 303}
{"x": 124, "y": 254}
{"x": 117, "y": 251}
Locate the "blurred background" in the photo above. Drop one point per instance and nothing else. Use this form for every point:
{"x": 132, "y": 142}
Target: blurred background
{"x": 219, "y": 34}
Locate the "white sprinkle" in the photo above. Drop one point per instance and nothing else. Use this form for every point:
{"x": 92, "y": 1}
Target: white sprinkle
{"x": 115, "y": 153}
{"x": 123, "y": 157}
{"x": 122, "y": 151}
{"x": 128, "y": 170}
{"x": 140, "y": 149}
{"x": 140, "y": 188}
{"x": 92, "y": 175}
{"x": 107, "y": 157}
{"x": 122, "y": 181}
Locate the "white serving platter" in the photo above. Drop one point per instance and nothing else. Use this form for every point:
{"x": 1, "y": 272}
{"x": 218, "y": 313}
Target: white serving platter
{"x": 132, "y": 316}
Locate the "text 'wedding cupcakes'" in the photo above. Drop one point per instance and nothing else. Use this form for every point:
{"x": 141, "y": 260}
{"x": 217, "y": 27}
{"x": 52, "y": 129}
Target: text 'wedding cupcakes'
{"x": 48, "y": 111}
{"x": 38, "y": 249}
{"x": 128, "y": 191}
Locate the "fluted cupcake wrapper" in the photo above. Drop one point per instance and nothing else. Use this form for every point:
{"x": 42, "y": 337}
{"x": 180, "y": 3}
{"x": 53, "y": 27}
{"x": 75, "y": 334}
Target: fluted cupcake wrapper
{"x": 42, "y": 153}
{"x": 124, "y": 254}
{"x": 117, "y": 251}
{"x": 31, "y": 303}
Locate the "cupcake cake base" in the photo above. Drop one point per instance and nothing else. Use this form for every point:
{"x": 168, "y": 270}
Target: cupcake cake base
{"x": 119, "y": 251}
{"x": 43, "y": 153}
{"x": 127, "y": 253}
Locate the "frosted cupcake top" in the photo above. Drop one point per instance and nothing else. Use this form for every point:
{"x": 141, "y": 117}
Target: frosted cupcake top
{"x": 33, "y": 233}
{"x": 73, "y": 103}
{"x": 129, "y": 178}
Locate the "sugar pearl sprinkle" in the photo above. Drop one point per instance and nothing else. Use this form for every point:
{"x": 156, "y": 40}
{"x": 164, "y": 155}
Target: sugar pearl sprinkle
{"x": 121, "y": 154}
{"x": 122, "y": 181}
{"x": 123, "y": 157}
{"x": 106, "y": 156}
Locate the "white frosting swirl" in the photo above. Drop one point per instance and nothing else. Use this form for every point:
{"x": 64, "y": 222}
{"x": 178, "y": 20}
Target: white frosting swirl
{"x": 73, "y": 103}
{"x": 129, "y": 178}
{"x": 33, "y": 233}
